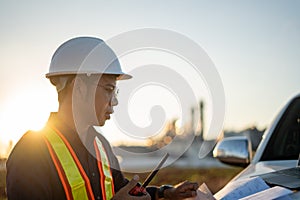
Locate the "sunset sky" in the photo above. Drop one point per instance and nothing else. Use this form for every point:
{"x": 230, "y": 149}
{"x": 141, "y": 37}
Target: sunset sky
{"x": 254, "y": 45}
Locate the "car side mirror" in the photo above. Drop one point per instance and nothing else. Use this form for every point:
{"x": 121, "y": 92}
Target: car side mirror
{"x": 235, "y": 150}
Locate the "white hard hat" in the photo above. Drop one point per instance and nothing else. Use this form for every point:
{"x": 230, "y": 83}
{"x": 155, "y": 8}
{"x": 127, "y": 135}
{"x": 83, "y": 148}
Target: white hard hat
{"x": 85, "y": 55}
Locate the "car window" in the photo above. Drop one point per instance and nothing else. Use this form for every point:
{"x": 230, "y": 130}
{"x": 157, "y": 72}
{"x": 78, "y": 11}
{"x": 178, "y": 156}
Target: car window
{"x": 284, "y": 143}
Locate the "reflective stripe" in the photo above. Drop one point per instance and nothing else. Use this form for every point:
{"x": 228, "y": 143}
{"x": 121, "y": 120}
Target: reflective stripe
{"x": 71, "y": 173}
{"x": 107, "y": 184}
{"x": 69, "y": 166}
{"x": 60, "y": 171}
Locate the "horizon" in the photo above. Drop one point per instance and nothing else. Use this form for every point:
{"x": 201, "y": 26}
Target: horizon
{"x": 254, "y": 46}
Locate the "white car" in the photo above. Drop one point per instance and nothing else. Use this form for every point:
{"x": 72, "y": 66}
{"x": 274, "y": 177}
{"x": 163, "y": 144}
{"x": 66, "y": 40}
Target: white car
{"x": 279, "y": 148}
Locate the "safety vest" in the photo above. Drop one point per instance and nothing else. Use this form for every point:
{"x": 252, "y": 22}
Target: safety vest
{"x": 71, "y": 173}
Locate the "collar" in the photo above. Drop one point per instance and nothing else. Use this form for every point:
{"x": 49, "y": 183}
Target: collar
{"x": 71, "y": 134}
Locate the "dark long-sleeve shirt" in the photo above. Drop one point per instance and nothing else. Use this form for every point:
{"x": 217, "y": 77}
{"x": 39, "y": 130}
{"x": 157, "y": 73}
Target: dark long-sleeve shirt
{"x": 31, "y": 173}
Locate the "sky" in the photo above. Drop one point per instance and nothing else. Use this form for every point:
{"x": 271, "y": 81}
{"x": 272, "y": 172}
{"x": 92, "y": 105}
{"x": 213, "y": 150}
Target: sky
{"x": 254, "y": 45}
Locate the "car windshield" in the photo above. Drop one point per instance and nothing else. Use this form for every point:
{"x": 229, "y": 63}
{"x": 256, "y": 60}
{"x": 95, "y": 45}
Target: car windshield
{"x": 284, "y": 143}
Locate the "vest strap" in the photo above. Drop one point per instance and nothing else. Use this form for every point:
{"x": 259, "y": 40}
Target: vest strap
{"x": 71, "y": 173}
{"x": 107, "y": 184}
{"x": 64, "y": 158}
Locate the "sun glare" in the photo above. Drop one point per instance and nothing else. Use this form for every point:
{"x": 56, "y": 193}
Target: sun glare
{"x": 22, "y": 112}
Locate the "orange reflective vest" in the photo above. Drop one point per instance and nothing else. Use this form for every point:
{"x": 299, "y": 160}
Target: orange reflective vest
{"x": 71, "y": 173}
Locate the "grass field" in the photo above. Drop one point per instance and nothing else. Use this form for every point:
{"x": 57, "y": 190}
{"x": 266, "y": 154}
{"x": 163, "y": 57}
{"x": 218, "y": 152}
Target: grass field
{"x": 215, "y": 178}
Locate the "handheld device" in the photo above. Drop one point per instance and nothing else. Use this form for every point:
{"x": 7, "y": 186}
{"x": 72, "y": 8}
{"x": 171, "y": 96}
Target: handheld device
{"x": 139, "y": 190}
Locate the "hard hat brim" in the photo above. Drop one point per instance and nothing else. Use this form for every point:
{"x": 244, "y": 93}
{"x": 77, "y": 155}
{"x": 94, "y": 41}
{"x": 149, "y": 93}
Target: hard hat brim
{"x": 122, "y": 76}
